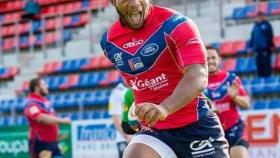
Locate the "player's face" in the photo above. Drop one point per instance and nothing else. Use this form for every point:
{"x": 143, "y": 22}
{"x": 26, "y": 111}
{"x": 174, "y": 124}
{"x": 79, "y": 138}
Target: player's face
{"x": 43, "y": 88}
{"x": 213, "y": 60}
{"x": 133, "y": 12}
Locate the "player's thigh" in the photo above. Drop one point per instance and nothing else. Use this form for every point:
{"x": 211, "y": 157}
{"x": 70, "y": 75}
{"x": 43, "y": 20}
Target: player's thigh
{"x": 139, "y": 150}
{"x": 238, "y": 151}
{"x": 45, "y": 154}
{"x": 148, "y": 146}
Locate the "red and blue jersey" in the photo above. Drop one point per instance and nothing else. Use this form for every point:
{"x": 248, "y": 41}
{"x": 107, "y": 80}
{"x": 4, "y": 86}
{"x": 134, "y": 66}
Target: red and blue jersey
{"x": 151, "y": 60}
{"x": 217, "y": 92}
{"x": 35, "y": 106}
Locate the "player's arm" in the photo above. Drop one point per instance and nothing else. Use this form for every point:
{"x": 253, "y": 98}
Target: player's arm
{"x": 191, "y": 85}
{"x": 238, "y": 94}
{"x": 50, "y": 119}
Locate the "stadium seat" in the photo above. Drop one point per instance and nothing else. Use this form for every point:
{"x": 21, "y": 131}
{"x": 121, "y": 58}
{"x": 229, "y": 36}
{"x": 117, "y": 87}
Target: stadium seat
{"x": 36, "y": 26}
{"x": 50, "y": 24}
{"x": 97, "y": 114}
{"x": 239, "y": 13}
{"x": 277, "y": 62}
{"x": 105, "y": 63}
{"x": 89, "y": 99}
{"x": 274, "y": 104}
{"x": 113, "y": 77}
{"x": 242, "y": 65}
{"x": 84, "y": 80}
{"x": 273, "y": 8}
{"x": 240, "y": 47}
{"x": 227, "y": 48}
{"x": 260, "y": 105}
{"x": 70, "y": 82}
{"x": 74, "y": 116}
{"x": 276, "y": 40}
{"x": 93, "y": 63}
{"x": 229, "y": 64}
{"x": 272, "y": 84}
{"x": 257, "y": 85}
{"x": 250, "y": 11}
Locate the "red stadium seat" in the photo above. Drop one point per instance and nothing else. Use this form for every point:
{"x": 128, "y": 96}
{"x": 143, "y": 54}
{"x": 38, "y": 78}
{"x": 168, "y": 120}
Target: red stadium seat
{"x": 24, "y": 27}
{"x": 57, "y": 66}
{"x": 72, "y": 80}
{"x": 50, "y": 38}
{"x": 50, "y": 24}
{"x": 227, "y": 48}
{"x": 276, "y": 40}
{"x": 105, "y": 63}
{"x": 60, "y": 8}
{"x": 229, "y": 64}
{"x": 94, "y": 63}
{"x": 113, "y": 77}
{"x": 239, "y": 46}
{"x": 67, "y": 20}
{"x": 277, "y": 63}
{"x": 84, "y": 19}
{"x": 263, "y": 7}
{"x": 13, "y": 71}
{"x": 9, "y": 43}
{"x": 47, "y": 68}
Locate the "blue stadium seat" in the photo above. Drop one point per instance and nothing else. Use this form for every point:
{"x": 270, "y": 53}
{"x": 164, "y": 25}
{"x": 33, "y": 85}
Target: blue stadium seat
{"x": 86, "y": 115}
{"x": 249, "y": 9}
{"x": 260, "y": 105}
{"x": 74, "y": 116}
{"x": 69, "y": 100}
{"x": 106, "y": 115}
{"x": 252, "y": 65}
{"x": 239, "y": 13}
{"x": 36, "y": 25}
{"x": 257, "y": 85}
{"x": 20, "y": 104}
{"x": 89, "y": 99}
{"x": 272, "y": 84}
{"x": 274, "y": 104}
{"x": 242, "y": 65}
{"x": 67, "y": 35}
{"x": 84, "y": 80}
{"x": 94, "y": 78}
{"x": 85, "y": 3}
{"x": 97, "y": 114}
{"x": 39, "y": 40}
{"x": 66, "y": 66}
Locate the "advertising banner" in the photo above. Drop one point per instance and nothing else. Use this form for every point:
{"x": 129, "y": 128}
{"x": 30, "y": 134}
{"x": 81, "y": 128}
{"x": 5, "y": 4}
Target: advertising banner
{"x": 14, "y": 141}
{"x": 94, "y": 139}
{"x": 263, "y": 133}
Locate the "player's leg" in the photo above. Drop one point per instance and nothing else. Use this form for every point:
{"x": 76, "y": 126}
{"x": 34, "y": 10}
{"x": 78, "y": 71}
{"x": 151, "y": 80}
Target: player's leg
{"x": 147, "y": 146}
{"x": 238, "y": 151}
{"x": 138, "y": 150}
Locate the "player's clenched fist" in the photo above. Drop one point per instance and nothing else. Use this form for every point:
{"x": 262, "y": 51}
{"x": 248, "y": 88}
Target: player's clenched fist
{"x": 150, "y": 113}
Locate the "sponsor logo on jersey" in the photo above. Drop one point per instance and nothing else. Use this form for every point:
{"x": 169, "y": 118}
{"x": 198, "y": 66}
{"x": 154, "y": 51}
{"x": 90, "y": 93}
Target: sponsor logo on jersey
{"x": 153, "y": 83}
{"x": 202, "y": 148}
{"x": 150, "y": 49}
{"x": 135, "y": 63}
{"x": 118, "y": 59}
{"x": 133, "y": 43}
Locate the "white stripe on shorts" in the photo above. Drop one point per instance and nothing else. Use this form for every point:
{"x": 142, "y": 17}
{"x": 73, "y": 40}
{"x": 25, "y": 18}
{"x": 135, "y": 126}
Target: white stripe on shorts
{"x": 160, "y": 147}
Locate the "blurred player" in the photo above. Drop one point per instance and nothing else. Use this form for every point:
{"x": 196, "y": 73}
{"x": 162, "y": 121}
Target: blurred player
{"x": 43, "y": 134}
{"x": 227, "y": 93}
{"x": 160, "y": 54}
{"x": 116, "y": 102}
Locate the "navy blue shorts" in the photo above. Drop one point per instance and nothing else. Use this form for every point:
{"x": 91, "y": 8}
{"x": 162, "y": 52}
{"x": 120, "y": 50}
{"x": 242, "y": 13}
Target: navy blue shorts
{"x": 37, "y": 146}
{"x": 235, "y": 135}
{"x": 202, "y": 139}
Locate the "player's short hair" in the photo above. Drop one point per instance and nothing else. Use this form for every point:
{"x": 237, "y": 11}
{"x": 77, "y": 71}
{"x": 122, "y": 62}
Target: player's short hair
{"x": 33, "y": 83}
{"x": 260, "y": 13}
{"x": 209, "y": 47}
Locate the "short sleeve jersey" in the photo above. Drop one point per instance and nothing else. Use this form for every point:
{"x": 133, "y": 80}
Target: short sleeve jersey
{"x": 116, "y": 100}
{"x": 35, "y": 106}
{"x": 217, "y": 92}
{"x": 152, "y": 58}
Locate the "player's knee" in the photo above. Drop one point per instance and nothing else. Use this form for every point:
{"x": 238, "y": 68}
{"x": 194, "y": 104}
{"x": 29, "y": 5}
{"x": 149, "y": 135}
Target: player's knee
{"x": 45, "y": 154}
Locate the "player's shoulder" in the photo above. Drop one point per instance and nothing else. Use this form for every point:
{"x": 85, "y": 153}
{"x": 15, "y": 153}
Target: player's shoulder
{"x": 163, "y": 14}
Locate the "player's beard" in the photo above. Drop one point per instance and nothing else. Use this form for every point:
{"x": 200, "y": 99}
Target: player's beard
{"x": 143, "y": 17}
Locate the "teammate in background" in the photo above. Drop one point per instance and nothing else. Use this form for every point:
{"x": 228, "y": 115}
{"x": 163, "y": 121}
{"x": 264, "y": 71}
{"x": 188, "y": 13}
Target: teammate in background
{"x": 227, "y": 93}
{"x": 43, "y": 122}
{"x": 130, "y": 123}
{"x": 162, "y": 58}
{"x": 116, "y": 102}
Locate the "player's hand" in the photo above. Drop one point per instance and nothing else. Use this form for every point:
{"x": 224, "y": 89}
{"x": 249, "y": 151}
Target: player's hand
{"x": 150, "y": 113}
{"x": 66, "y": 120}
{"x": 232, "y": 90}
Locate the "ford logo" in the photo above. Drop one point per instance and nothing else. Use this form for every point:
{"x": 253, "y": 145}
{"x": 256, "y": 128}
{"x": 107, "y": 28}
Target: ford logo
{"x": 149, "y": 50}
